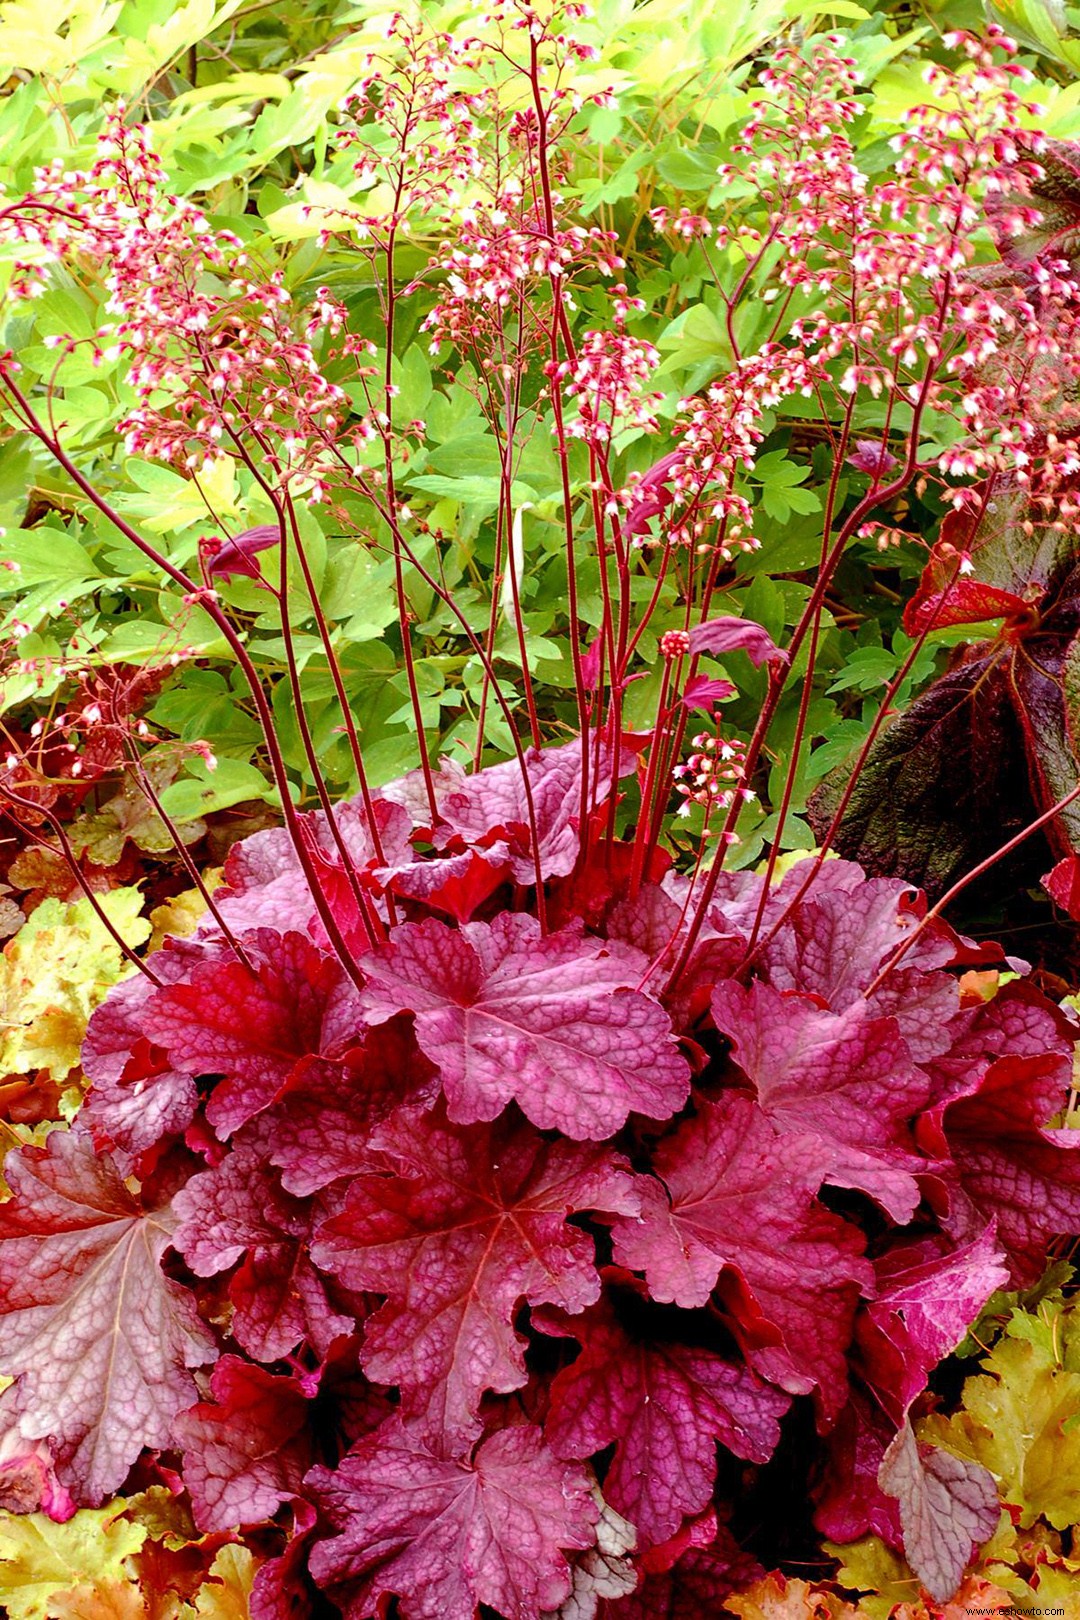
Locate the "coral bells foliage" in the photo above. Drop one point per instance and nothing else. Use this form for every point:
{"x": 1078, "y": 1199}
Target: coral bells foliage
{"x": 478, "y": 1208}
{"x": 507, "y": 1238}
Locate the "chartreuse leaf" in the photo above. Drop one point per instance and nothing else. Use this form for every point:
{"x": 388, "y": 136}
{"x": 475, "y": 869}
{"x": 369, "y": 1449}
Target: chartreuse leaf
{"x": 225, "y": 1595}
{"x": 54, "y": 972}
{"x": 40, "y": 1559}
{"x": 1019, "y": 1420}
{"x": 875, "y": 1571}
{"x": 1040, "y": 23}
{"x": 54, "y": 35}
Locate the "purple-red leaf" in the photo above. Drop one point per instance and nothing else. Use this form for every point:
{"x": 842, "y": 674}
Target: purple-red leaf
{"x": 225, "y": 559}
{"x": 688, "y": 1577}
{"x": 705, "y": 691}
{"x": 652, "y": 494}
{"x": 738, "y": 1198}
{"x": 726, "y": 635}
{"x": 461, "y": 1225}
{"x": 265, "y": 885}
{"x": 1062, "y": 884}
{"x": 493, "y": 805}
{"x": 844, "y": 1078}
{"x": 319, "y": 1131}
{"x": 948, "y": 1507}
{"x": 849, "y": 1502}
{"x": 236, "y": 1212}
{"x": 455, "y": 884}
{"x": 946, "y": 596}
{"x": 871, "y": 456}
{"x": 1011, "y": 1167}
{"x": 252, "y": 1029}
{"x": 28, "y": 1482}
{"x": 444, "y": 1534}
{"x": 508, "y": 1014}
{"x": 136, "y": 1098}
{"x": 1016, "y": 1022}
{"x": 664, "y": 1404}
{"x": 928, "y": 1296}
{"x": 837, "y": 939}
{"x": 98, "y": 1339}
{"x": 247, "y": 1450}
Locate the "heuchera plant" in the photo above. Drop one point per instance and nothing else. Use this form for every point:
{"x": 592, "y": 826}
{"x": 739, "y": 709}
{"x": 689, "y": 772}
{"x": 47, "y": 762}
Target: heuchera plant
{"x": 477, "y": 1203}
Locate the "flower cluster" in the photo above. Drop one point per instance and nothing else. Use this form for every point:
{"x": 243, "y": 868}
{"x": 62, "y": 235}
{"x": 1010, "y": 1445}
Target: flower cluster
{"x": 607, "y": 378}
{"x": 212, "y": 350}
{"x": 878, "y": 291}
{"x": 713, "y": 775}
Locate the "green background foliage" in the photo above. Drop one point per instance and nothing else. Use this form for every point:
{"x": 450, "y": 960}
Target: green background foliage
{"x": 244, "y": 102}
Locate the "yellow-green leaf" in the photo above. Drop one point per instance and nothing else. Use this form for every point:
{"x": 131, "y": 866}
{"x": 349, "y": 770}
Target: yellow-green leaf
{"x": 40, "y": 1559}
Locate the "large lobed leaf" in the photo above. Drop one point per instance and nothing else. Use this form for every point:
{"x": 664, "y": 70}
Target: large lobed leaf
{"x": 446, "y": 1533}
{"x": 457, "y": 1226}
{"x": 508, "y": 1014}
{"x": 663, "y": 1403}
{"x": 100, "y": 1341}
{"x": 736, "y": 1202}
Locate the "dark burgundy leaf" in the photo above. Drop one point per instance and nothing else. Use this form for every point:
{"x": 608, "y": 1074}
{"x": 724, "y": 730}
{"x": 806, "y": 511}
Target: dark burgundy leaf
{"x": 739, "y": 1201}
{"x": 246, "y": 1451}
{"x": 98, "y": 1339}
{"x": 1013, "y": 545}
{"x": 945, "y": 785}
{"x": 508, "y": 1014}
{"x": 1048, "y": 180}
{"x": 445, "y": 1533}
{"x": 461, "y": 1226}
{"x": 1044, "y": 695}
